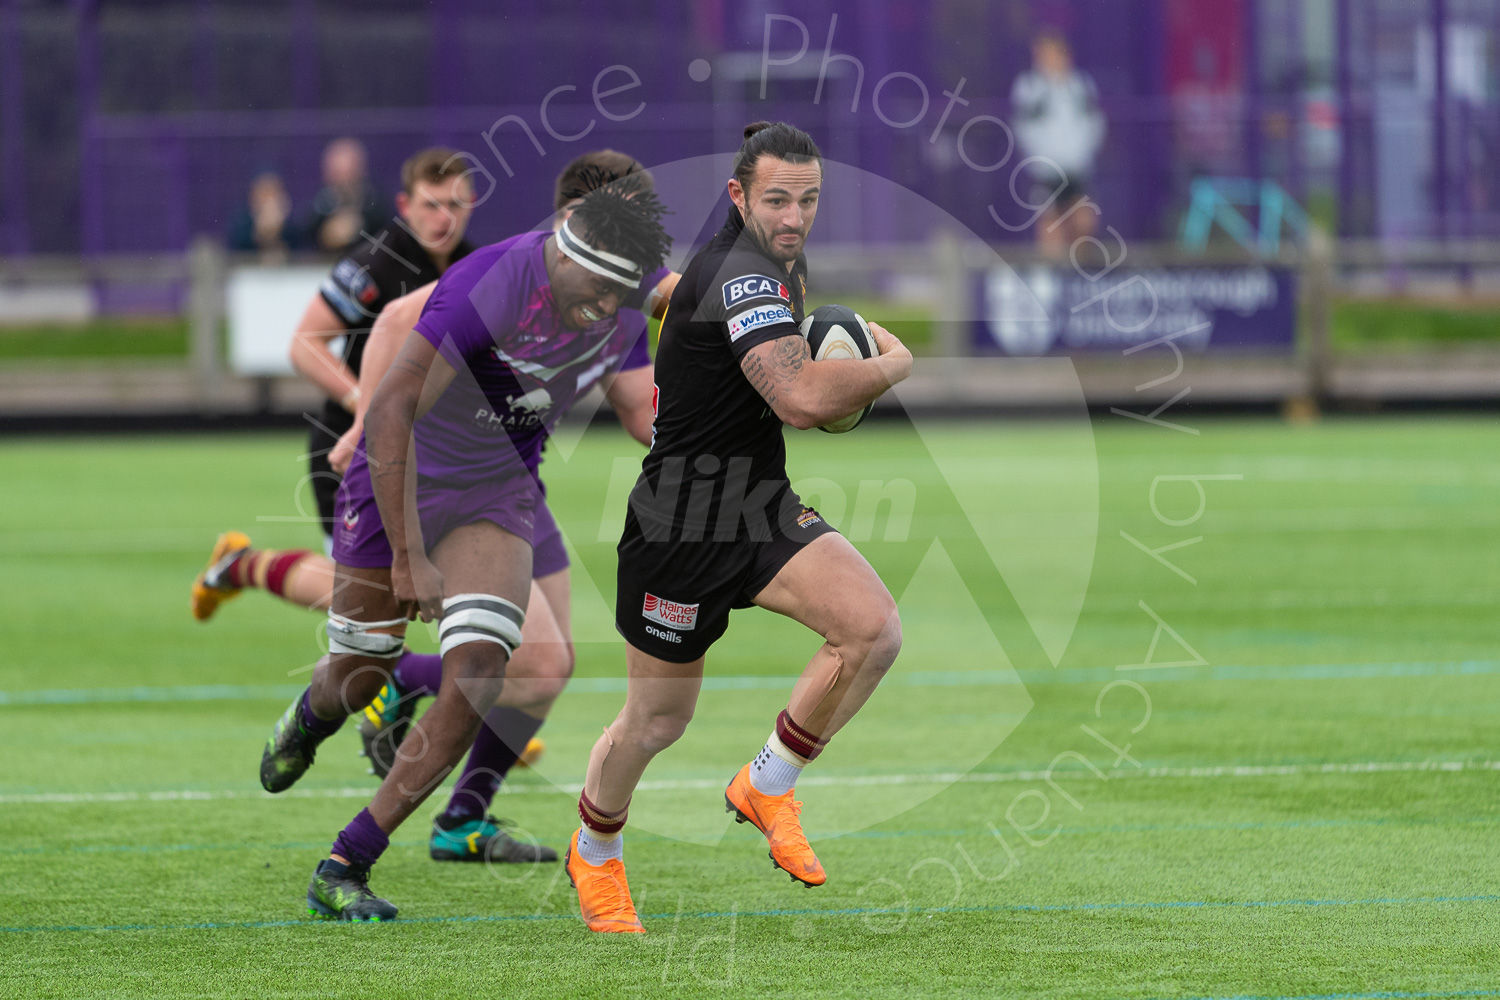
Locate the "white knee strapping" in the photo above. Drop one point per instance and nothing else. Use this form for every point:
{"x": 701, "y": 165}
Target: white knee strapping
{"x": 345, "y": 635}
{"x": 481, "y": 618}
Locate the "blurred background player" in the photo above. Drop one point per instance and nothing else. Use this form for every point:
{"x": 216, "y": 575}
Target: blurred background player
{"x": 1057, "y": 117}
{"x": 526, "y": 318}
{"x": 411, "y": 250}
{"x": 348, "y": 201}
{"x": 464, "y": 831}
{"x": 732, "y": 368}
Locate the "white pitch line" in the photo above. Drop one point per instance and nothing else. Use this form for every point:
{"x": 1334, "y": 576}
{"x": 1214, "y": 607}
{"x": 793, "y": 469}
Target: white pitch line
{"x": 814, "y": 781}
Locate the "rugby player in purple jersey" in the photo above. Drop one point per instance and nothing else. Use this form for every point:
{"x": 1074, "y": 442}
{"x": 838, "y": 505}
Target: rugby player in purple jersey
{"x": 464, "y": 830}
{"x": 438, "y": 512}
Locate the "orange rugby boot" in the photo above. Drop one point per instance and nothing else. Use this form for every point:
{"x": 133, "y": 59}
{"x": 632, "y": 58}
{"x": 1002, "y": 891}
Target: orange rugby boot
{"x": 210, "y": 590}
{"x": 533, "y": 753}
{"x": 776, "y": 816}
{"x": 603, "y": 894}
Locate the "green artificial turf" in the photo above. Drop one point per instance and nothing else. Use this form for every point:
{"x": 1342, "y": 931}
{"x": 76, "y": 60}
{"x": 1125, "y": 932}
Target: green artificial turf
{"x": 1308, "y": 812}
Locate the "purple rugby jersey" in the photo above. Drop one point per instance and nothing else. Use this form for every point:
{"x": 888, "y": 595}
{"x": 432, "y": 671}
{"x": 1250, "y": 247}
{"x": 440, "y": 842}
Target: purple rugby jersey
{"x": 519, "y": 369}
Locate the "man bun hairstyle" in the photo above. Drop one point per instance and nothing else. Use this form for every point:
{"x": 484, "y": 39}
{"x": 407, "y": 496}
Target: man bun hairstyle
{"x": 592, "y": 171}
{"x": 624, "y": 217}
{"x": 430, "y": 166}
{"x": 778, "y": 139}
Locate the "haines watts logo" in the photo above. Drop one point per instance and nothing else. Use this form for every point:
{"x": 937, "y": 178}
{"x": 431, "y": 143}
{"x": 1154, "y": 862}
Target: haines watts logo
{"x": 670, "y": 614}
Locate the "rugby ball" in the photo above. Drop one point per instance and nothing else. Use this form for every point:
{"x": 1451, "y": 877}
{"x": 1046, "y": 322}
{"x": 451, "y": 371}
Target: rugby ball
{"x": 838, "y": 332}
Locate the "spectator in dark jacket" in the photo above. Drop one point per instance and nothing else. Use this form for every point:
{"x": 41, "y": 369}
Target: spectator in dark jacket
{"x": 348, "y": 202}
{"x": 264, "y": 225}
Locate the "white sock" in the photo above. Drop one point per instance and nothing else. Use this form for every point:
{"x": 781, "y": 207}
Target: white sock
{"x": 775, "y": 769}
{"x": 597, "y": 848}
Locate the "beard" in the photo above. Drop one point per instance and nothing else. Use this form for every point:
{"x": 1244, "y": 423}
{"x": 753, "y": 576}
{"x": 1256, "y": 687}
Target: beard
{"x": 769, "y": 247}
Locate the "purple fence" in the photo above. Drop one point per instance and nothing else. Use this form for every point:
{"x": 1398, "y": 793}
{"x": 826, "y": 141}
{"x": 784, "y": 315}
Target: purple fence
{"x": 133, "y": 126}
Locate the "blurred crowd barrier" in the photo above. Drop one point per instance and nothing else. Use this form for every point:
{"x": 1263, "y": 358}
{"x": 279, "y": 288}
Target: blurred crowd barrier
{"x": 994, "y": 330}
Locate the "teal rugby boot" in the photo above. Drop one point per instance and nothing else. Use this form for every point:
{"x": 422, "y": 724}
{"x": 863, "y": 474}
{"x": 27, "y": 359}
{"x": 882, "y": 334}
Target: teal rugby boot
{"x": 383, "y": 725}
{"x": 484, "y": 840}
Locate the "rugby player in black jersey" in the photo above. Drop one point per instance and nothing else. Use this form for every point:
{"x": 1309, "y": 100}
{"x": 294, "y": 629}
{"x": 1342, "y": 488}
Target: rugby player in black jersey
{"x": 713, "y": 524}
{"x": 417, "y": 246}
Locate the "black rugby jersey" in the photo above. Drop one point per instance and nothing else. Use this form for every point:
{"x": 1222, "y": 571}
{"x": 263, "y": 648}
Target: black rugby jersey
{"x": 717, "y": 453}
{"x": 375, "y": 272}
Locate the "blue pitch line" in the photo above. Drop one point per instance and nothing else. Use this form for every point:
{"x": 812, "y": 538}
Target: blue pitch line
{"x": 860, "y": 911}
{"x": 185, "y": 692}
{"x": 919, "y": 679}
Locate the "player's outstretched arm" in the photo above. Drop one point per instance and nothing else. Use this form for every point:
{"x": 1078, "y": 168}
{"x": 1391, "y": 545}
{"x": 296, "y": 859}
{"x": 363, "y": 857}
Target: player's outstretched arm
{"x": 630, "y": 393}
{"x": 414, "y": 382}
{"x": 807, "y": 393}
{"x": 381, "y": 347}
{"x": 310, "y": 356}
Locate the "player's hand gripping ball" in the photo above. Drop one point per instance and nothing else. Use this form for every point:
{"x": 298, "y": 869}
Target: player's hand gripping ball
{"x": 838, "y": 332}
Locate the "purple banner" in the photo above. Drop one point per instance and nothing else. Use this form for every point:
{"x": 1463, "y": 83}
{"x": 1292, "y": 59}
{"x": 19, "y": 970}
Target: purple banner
{"x": 1055, "y": 310}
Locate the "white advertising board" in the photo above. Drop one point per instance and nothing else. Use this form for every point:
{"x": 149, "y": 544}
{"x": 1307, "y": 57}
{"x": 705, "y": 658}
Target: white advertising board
{"x": 264, "y": 306}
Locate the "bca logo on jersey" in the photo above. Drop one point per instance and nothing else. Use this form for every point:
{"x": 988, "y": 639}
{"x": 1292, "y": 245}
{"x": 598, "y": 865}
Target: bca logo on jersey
{"x": 670, "y": 614}
{"x": 754, "y": 287}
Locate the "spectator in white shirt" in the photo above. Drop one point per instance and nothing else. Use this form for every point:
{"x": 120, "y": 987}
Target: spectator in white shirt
{"x": 1057, "y": 118}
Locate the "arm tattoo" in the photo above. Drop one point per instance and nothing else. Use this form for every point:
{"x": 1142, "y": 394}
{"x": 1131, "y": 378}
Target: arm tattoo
{"x": 782, "y": 366}
{"x": 789, "y": 355}
{"x": 759, "y": 377}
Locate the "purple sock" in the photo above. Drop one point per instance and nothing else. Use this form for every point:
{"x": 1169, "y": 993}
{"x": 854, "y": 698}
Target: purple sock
{"x": 362, "y": 841}
{"x": 419, "y": 674}
{"x": 502, "y": 739}
{"x": 311, "y": 724}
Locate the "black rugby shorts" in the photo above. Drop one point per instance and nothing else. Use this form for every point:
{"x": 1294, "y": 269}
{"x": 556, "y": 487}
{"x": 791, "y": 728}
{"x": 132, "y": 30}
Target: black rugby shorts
{"x": 674, "y": 597}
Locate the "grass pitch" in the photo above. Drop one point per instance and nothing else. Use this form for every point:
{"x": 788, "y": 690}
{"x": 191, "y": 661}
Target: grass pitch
{"x": 1288, "y": 791}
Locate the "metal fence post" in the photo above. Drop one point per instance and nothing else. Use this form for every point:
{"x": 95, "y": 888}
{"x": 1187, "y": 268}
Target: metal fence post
{"x": 1317, "y": 284}
{"x": 207, "y": 271}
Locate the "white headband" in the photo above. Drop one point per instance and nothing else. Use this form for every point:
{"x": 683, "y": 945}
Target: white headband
{"x": 614, "y": 267}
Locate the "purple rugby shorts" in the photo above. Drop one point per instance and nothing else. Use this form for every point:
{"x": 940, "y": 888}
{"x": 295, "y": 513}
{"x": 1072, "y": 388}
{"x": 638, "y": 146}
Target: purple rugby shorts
{"x": 514, "y": 503}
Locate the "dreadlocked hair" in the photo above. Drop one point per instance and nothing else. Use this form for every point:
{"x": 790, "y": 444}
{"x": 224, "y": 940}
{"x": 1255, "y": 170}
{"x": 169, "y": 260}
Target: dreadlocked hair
{"x": 624, "y": 217}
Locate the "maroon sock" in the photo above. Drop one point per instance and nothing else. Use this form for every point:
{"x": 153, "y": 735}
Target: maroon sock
{"x": 798, "y": 740}
{"x": 597, "y": 819}
{"x": 280, "y": 565}
{"x": 239, "y": 572}
{"x": 264, "y": 568}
